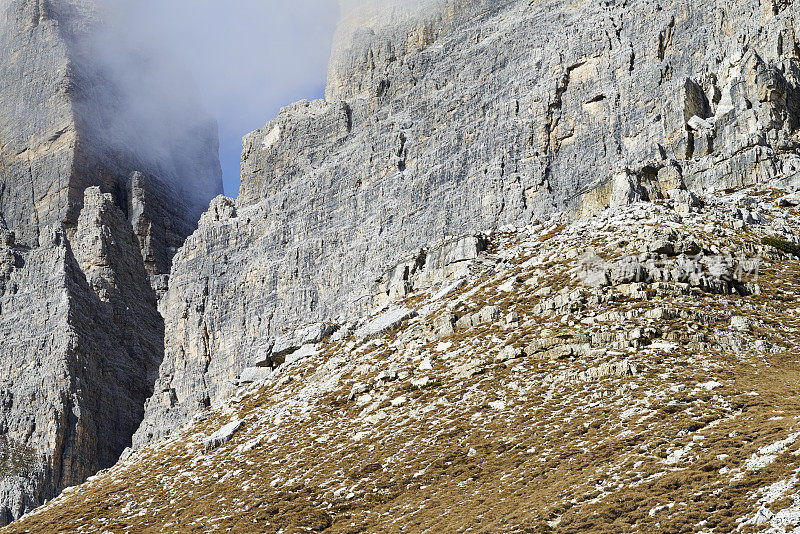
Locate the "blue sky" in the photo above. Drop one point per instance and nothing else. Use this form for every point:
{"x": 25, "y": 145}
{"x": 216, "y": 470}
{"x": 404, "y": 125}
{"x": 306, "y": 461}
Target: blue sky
{"x": 248, "y": 58}
{"x": 233, "y": 128}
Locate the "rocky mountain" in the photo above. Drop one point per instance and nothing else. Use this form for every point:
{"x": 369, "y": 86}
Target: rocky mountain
{"x": 459, "y": 118}
{"x": 632, "y": 371}
{"x": 88, "y": 226}
{"x": 529, "y": 266}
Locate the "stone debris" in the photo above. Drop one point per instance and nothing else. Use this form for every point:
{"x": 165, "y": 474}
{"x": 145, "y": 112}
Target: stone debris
{"x": 655, "y": 381}
{"x": 308, "y": 335}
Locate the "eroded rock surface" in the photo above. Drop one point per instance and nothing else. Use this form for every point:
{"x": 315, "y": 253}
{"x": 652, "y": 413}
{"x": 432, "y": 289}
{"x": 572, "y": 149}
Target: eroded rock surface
{"x": 459, "y": 119}
{"x": 660, "y": 404}
{"x": 82, "y": 341}
{"x": 86, "y": 218}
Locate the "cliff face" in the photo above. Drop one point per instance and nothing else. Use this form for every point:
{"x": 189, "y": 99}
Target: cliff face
{"x": 37, "y": 134}
{"x": 68, "y": 125}
{"x": 81, "y": 342}
{"x": 460, "y": 118}
{"x": 84, "y": 225}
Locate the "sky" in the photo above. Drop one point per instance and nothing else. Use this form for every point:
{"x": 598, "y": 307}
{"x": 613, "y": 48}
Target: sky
{"x": 247, "y": 58}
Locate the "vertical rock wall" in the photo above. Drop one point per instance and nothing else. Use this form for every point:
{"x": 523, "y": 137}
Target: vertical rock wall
{"x": 84, "y": 225}
{"x": 461, "y": 117}
{"x": 81, "y": 342}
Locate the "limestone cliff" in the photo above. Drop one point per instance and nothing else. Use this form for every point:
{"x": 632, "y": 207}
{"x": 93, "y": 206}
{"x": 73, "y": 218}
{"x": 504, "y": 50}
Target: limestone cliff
{"x": 461, "y": 118}
{"x": 86, "y": 219}
{"x": 58, "y": 103}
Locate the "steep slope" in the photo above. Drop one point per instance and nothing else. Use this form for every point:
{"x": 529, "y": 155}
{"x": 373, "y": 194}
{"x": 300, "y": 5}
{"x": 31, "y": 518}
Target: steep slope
{"x": 634, "y": 371}
{"x": 460, "y": 118}
{"x": 87, "y": 218}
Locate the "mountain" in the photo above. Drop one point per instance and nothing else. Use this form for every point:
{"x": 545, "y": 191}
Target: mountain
{"x": 89, "y": 221}
{"x": 460, "y": 118}
{"x": 528, "y": 266}
{"x": 632, "y": 371}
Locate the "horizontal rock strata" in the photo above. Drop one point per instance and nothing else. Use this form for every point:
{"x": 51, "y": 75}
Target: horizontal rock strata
{"x": 459, "y": 119}
{"x": 87, "y": 217}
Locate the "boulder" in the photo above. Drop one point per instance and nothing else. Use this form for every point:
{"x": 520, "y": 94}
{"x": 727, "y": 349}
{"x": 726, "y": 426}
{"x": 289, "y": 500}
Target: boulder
{"x": 384, "y": 322}
{"x": 222, "y": 436}
{"x": 254, "y": 374}
{"x": 626, "y": 271}
{"x": 309, "y": 334}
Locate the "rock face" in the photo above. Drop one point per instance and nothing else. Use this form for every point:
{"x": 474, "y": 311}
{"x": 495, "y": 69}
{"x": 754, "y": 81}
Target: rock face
{"x": 84, "y": 225}
{"x": 459, "y": 118}
{"x": 56, "y": 105}
{"x": 82, "y": 340}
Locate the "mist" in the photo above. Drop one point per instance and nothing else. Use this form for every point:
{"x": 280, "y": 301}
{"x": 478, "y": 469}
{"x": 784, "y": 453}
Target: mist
{"x": 239, "y": 60}
{"x": 177, "y": 63}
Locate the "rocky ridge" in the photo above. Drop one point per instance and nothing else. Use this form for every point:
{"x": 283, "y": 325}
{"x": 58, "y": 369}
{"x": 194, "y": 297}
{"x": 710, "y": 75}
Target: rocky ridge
{"x": 632, "y": 370}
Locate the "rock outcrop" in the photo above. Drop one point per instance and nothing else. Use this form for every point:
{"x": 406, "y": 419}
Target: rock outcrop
{"x": 461, "y": 118}
{"x": 85, "y": 223}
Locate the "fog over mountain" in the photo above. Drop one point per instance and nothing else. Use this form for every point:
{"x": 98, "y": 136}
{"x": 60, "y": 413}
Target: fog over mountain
{"x": 244, "y": 58}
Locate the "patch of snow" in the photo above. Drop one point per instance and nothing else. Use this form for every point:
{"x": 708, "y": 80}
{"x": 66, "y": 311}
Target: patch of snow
{"x": 498, "y": 405}
{"x": 711, "y": 385}
{"x": 654, "y": 510}
{"x": 775, "y": 491}
{"x": 677, "y": 455}
{"x": 508, "y": 286}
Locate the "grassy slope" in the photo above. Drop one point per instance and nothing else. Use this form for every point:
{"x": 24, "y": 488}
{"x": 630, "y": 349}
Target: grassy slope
{"x": 522, "y": 445}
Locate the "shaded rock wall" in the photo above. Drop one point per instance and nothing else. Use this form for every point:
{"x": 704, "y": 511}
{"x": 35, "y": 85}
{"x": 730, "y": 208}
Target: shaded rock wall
{"x": 84, "y": 225}
{"x": 82, "y": 340}
{"x": 58, "y": 103}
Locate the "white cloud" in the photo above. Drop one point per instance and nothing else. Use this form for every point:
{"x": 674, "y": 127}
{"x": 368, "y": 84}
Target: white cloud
{"x": 245, "y": 58}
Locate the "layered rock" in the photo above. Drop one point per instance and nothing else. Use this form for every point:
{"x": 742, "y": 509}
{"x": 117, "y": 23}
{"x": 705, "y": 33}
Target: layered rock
{"x": 658, "y": 402}
{"x": 61, "y": 132}
{"x": 82, "y": 340}
{"x": 460, "y": 118}
{"x": 87, "y": 217}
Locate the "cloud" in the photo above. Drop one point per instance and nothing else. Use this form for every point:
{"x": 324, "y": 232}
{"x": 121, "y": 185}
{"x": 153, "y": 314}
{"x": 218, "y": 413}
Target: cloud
{"x": 389, "y": 10}
{"x": 241, "y": 60}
